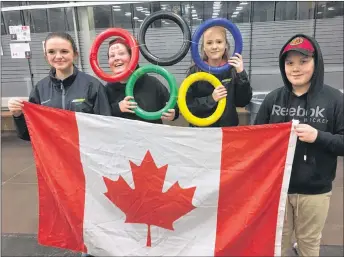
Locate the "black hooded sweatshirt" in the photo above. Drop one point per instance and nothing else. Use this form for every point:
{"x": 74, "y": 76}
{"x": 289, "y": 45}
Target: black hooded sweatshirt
{"x": 314, "y": 166}
{"x": 79, "y": 92}
{"x": 201, "y": 103}
{"x": 149, "y": 93}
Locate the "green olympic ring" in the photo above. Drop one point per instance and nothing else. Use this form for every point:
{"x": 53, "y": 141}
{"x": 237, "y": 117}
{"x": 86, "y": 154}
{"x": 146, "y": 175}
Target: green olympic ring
{"x": 172, "y": 83}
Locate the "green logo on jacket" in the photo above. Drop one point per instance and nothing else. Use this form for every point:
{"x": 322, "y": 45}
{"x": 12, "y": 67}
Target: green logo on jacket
{"x": 226, "y": 80}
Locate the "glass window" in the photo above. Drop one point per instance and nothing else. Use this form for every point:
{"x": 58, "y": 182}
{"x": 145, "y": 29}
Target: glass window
{"x": 122, "y": 16}
{"x": 172, "y": 7}
{"x": 36, "y": 19}
{"x": 329, "y": 9}
{"x": 263, "y": 11}
{"x": 141, "y": 11}
{"x": 10, "y": 4}
{"x": 305, "y": 10}
{"x": 286, "y": 10}
{"x": 69, "y": 19}
{"x": 56, "y": 19}
{"x": 3, "y": 27}
{"x": 197, "y": 13}
{"x": 39, "y": 20}
{"x": 102, "y": 17}
{"x": 12, "y": 18}
{"x": 186, "y": 11}
{"x": 238, "y": 12}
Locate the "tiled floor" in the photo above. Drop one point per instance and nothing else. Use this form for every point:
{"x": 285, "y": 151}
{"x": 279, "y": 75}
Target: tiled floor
{"x": 19, "y": 205}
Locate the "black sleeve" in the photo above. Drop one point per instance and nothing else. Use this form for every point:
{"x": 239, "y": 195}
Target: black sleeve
{"x": 243, "y": 89}
{"x": 115, "y": 110}
{"x": 263, "y": 115}
{"x": 20, "y": 123}
{"x": 164, "y": 97}
{"x": 198, "y": 105}
{"x": 101, "y": 104}
{"x": 334, "y": 142}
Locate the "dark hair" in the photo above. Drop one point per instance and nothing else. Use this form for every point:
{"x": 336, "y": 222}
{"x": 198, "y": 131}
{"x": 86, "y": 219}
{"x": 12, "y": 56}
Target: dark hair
{"x": 119, "y": 40}
{"x": 62, "y": 35}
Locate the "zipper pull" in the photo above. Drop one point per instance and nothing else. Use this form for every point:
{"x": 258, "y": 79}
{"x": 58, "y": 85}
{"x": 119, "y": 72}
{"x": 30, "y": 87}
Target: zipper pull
{"x": 62, "y": 88}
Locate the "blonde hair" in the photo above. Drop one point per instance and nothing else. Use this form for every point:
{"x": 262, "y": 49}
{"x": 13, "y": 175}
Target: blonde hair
{"x": 225, "y": 56}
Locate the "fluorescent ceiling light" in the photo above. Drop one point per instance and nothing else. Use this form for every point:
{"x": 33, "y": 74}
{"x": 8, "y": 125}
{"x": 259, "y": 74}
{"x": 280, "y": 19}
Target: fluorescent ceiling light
{"x": 127, "y": 14}
{"x": 135, "y": 18}
{"x": 235, "y": 12}
{"x": 243, "y": 3}
{"x": 239, "y": 8}
{"x": 193, "y": 11}
{"x": 234, "y": 16}
{"x": 330, "y": 8}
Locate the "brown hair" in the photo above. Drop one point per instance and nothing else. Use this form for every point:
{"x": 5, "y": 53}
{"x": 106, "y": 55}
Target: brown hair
{"x": 119, "y": 40}
{"x": 64, "y": 36}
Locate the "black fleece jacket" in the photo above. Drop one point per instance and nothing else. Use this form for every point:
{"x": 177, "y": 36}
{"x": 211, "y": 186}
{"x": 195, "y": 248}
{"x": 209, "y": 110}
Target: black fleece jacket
{"x": 79, "y": 92}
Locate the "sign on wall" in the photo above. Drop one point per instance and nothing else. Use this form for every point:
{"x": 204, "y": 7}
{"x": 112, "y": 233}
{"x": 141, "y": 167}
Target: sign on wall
{"x": 20, "y": 50}
{"x": 20, "y": 33}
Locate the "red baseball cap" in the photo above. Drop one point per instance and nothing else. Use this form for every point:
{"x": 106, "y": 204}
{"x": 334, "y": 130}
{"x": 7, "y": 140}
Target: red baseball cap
{"x": 300, "y": 44}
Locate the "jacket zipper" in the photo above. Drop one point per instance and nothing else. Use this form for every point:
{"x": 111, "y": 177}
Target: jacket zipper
{"x": 63, "y": 96}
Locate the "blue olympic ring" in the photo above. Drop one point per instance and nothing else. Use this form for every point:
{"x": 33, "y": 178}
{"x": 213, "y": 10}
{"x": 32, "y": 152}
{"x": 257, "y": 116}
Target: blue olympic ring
{"x": 233, "y": 29}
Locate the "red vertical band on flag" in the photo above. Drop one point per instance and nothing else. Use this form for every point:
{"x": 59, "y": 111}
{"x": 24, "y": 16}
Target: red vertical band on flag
{"x": 61, "y": 181}
{"x": 252, "y": 168}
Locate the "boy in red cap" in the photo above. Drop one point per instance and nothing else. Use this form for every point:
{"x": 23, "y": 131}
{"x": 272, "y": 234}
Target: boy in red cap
{"x": 319, "y": 108}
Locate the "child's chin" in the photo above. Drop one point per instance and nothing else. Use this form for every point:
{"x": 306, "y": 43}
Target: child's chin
{"x": 119, "y": 71}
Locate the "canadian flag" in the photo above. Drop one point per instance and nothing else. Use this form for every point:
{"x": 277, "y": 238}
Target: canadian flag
{"x": 115, "y": 187}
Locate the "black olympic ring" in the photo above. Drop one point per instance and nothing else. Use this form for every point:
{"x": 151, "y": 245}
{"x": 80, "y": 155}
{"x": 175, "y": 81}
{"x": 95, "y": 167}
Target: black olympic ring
{"x": 186, "y": 38}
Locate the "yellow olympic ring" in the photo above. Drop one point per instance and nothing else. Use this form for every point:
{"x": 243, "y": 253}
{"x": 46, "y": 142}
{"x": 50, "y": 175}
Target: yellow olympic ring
{"x": 184, "y": 110}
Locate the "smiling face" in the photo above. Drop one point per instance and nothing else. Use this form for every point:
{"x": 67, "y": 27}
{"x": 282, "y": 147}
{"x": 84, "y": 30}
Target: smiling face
{"x": 299, "y": 69}
{"x": 119, "y": 58}
{"x": 60, "y": 54}
{"x": 214, "y": 43}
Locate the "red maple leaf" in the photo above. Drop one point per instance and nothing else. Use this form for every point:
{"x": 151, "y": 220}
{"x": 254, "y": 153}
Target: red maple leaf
{"x": 147, "y": 204}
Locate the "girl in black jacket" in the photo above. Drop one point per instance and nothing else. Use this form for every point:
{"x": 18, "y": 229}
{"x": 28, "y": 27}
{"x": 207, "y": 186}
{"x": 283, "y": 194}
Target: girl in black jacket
{"x": 149, "y": 93}
{"x": 65, "y": 88}
{"x": 202, "y": 98}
